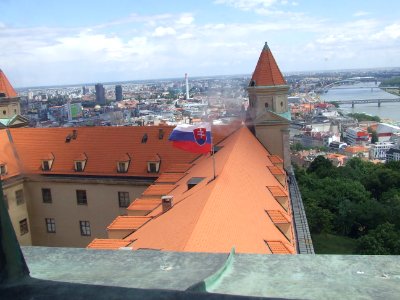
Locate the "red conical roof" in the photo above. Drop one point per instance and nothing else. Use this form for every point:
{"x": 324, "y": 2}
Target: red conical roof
{"x": 267, "y": 72}
{"x": 6, "y": 87}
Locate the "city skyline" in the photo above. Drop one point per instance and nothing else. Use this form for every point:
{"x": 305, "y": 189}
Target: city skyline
{"x": 52, "y": 43}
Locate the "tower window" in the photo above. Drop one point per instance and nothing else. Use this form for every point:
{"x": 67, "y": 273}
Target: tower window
{"x": 266, "y": 105}
{"x": 252, "y": 83}
{"x": 23, "y": 226}
{"x": 50, "y": 225}
{"x": 281, "y": 103}
{"x": 4, "y": 112}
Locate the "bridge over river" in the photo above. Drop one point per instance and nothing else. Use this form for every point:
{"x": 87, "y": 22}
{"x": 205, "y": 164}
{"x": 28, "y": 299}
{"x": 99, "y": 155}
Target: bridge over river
{"x": 363, "y": 101}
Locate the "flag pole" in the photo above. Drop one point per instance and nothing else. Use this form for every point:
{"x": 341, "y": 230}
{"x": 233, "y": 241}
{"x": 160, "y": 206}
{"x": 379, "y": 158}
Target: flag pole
{"x": 213, "y": 152}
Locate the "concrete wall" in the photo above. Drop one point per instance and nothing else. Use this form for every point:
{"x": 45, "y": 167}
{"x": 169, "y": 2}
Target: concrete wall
{"x": 18, "y": 212}
{"x": 101, "y": 210}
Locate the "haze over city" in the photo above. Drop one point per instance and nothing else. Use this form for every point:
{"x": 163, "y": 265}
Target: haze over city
{"x": 68, "y": 42}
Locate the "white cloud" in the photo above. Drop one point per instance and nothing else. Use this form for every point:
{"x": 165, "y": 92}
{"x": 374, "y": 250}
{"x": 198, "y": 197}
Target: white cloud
{"x": 185, "y": 19}
{"x": 246, "y": 4}
{"x": 163, "y": 31}
{"x": 360, "y": 13}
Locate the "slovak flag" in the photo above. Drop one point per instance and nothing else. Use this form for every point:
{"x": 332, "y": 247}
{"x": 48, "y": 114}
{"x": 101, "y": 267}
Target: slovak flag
{"x": 193, "y": 138}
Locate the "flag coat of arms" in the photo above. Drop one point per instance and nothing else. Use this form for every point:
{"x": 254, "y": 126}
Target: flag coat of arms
{"x": 193, "y": 138}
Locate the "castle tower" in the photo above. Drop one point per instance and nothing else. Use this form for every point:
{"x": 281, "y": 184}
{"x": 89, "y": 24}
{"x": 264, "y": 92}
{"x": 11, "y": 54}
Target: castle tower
{"x": 268, "y": 110}
{"x": 9, "y": 100}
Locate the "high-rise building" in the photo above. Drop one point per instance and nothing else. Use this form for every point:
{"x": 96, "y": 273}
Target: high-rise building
{"x": 268, "y": 112}
{"x": 84, "y": 90}
{"x": 100, "y": 94}
{"x": 118, "y": 93}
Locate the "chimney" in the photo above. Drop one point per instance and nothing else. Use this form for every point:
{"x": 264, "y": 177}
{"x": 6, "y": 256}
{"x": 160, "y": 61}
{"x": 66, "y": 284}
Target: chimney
{"x": 187, "y": 85}
{"x": 167, "y": 202}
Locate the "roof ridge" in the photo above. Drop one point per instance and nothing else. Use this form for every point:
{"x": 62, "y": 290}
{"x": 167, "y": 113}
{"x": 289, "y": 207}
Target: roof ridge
{"x": 215, "y": 181}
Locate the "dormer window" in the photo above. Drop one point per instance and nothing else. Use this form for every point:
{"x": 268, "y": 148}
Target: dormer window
{"x": 122, "y": 166}
{"x": 46, "y": 165}
{"x": 47, "y": 162}
{"x": 123, "y": 163}
{"x": 3, "y": 169}
{"x": 79, "y": 165}
{"x": 153, "y": 166}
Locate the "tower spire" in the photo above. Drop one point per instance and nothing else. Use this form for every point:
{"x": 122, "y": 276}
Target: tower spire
{"x": 267, "y": 72}
{"x": 6, "y": 87}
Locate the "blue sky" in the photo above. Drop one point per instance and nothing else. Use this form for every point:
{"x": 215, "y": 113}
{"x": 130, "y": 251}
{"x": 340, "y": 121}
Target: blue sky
{"x": 67, "y": 42}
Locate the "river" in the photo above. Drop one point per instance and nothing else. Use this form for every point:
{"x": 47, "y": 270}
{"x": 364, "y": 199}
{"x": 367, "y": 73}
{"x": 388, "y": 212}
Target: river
{"x": 389, "y": 110}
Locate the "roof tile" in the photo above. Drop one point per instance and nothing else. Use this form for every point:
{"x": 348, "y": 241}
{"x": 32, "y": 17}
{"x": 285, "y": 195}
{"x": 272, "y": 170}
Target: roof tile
{"x": 267, "y": 72}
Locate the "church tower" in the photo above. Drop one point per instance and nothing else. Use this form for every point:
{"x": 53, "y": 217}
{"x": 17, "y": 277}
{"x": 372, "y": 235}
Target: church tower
{"x": 10, "y": 110}
{"x": 268, "y": 110}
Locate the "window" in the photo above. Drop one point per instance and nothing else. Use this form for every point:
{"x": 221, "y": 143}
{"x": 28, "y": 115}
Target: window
{"x": 85, "y": 228}
{"x": 123, "y": 199}
{"x": 19, "y": 196}
{"x": 192, "y": 182}
{"x": 50, "y": 225}
{"x": 4, "y": 112}
{"x": 46, "y": 196}
{"x": 266, "y": 105}
{"x": 144, "y": 138}
{"x": 79, "y": 165}
{"x": 153, "y": 167}
{"x": 81, "y": 197}
{"x": 5, "y": 201}
{"x": 3, "y": 169}
{"x": 23, "y": 226}
{"x": 160, "y": 133}
{"x": 123, "y": 166}
{"x": 46, "y": 165}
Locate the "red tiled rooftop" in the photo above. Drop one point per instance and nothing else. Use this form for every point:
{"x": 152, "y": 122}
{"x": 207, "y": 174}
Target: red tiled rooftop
{"x": 159, "y": 189}
{"x": 170, "y": 177}
{"x": 277, "y": 247}
{"x": 277, "y": 217}
{"x": 277, "y": 191}
{"x": 103, "y": 147}
{"x": 267, "y": 72}
{"x": 215, "y": 216}
{"x": 6, "y": 87}
{"x": 276, "y": 170}
{"x": 128, "y": 222}
{"x": 111, "y": 244}
{"x": 275, "y": 159}
{"x": 145, "y": 204}
{"x": 178, "y": 168}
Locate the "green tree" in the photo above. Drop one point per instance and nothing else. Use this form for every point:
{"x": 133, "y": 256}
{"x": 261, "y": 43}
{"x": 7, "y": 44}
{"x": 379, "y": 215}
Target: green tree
{"x": 321, "y": 167}
{"x": 384, "y": 240}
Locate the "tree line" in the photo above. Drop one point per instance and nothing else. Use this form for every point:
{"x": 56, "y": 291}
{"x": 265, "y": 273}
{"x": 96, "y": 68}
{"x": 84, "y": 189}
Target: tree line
{"x": 360, "y": 200}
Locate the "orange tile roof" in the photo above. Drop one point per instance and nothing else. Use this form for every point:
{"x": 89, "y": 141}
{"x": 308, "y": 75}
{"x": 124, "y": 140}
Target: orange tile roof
{"x": 276, "y": 170}
{"x": 145, "y": 204}
{"x": 355, "y": 149}
{"x": 103, "y": 146}
{"x": 170, "y": 177}
{"x": 277, "y": 247}
{"x": 128, "y": 222}
{"x": 275, "y": 159}
{"x": 278, "y": 217}
{"x": 111, "y": 244}
{"x": 8, "y": 155}
{"x": 178, "y": 168}
{"x": 6, "y": 87}
{"x": 267, "y": 72}
{"x": 216, "y": 215}
{"x": 277, "y": 191}
{"x": 158, "y": 189}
